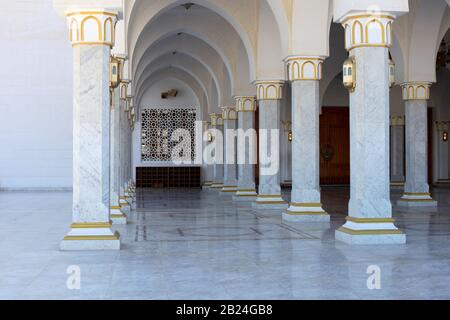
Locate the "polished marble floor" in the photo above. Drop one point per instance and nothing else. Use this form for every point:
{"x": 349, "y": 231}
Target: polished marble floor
{"x": 199, "y": 245}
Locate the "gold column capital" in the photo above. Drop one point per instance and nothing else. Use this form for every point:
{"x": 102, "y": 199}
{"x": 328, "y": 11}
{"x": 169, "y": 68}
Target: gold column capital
{"x": 304, "y": 67}
{"x": 443, "y": 126}
{"x": 398, "y": 121}
{"x": 91, "y": 26}
{"x": 269, "y": 89}
{"x": 368, "y": 29}
{"x": 245, "y": 103}
{"x": 216, "y": 119}
{"x": 416, "y": 90}
{"x": 229, "y": 113}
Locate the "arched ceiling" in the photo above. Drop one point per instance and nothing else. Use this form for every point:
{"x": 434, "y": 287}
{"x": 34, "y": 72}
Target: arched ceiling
{"x": 225, "y": 36}
{"x": 190, "y": 66}
{"x": 181, "y": 75}
{"x": 197, "y": 49}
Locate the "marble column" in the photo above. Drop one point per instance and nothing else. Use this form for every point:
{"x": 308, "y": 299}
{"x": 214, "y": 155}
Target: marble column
{"x": 286, "y": 154}
{"x": 443, "y": 128}
{"x": 208, "y": 172}
{"x": 124, "y": 200}
{"x": 269, "y": 95}
{"x": 305, "y": 74}
{"x": 417, "y": 190}
{"x": 217, "y": 125}
{"x": 370, "y": 210}
{"x": 91, "y": 36}
{"x": 398, "y": 151}
{"x": 247, "y": 143}
{"x": 117, "y": 216}
{"x": 230, "y": 117}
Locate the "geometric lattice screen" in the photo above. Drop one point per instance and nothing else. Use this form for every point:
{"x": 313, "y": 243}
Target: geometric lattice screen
{"x": 157, "y": 128}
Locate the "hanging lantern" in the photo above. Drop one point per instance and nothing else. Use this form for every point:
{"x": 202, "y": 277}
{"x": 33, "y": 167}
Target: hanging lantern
{"x": 445, "y": 136}
{"x": 391, "y": 73}
{"x": 290, "y": 136}
{"x": 349, "y": 74}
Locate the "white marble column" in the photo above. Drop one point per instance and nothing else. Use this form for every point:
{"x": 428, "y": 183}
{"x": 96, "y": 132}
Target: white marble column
{"x": 286, "y": 154}
{"x": 247, "y": 148}
{"x": 230, "y": 117}
{"x": 117, "y": 216}
{"x": 417, "y": 190}
{"x": 443, "y": 128}
{"x": 124, "y": 199}
{"x": 208, "y": 172}
{"x": 269, "y": 95}
{"x": 217, "y": 125}
{"x": 91, "y": 227}
{"x": 305, "y": 73}
{"x": 397, "y": 151}
{"x": 370, "y": 210}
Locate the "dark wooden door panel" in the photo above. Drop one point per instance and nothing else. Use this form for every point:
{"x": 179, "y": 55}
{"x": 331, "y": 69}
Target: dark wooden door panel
{"x": 335, "y": 146}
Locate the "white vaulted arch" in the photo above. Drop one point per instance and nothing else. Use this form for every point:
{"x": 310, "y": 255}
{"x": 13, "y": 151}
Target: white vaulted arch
{"x": 197, "y": 49}
{"x": 214, "y": 19}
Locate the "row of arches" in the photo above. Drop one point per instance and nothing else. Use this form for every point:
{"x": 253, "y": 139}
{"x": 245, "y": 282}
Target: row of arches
{"x": 238, "y": 42}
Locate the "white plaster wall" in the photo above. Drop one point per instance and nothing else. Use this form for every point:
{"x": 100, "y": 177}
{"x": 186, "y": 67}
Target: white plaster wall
{"x": 35, "y": 97}
{"x": 152, "y": 99}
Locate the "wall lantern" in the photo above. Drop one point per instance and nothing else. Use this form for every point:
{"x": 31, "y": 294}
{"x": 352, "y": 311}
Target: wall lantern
{"x": 115, "y": 71}
{"x": 210, "y": 137}
{"x": 290, "y": 136}
{"x": 391, "y": 73}
{"x": 445, "y": 136}
{"x": 349, "y": 74}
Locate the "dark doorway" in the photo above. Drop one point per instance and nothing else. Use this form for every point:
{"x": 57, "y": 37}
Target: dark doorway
{"x": 335, "y": 146}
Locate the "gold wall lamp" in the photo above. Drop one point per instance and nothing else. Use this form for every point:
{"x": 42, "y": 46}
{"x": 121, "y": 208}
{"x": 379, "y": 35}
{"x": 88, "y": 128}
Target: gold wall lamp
{"x": 445, "y": 136}
{"x": 349, "y": 74}
{"x": 391, "y": 73}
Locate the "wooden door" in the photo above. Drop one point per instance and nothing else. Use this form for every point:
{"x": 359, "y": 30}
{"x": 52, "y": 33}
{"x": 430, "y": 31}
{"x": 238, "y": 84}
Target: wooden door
{"x": 335, "y": 146}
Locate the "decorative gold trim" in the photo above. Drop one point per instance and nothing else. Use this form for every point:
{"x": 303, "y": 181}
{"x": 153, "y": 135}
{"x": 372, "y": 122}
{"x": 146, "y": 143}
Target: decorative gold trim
{"x": 229, "y": 113}
{"x": 307, "y": 205}
{"x": 245, "y": 103}
{"x": 270, "y": 196}
{"x": 269, "y": 90}
{"x": 370, "y": 220}
{"x": 115, "y": 208}
{"x": 246, "y": 190}
{"x": 369, "y": 232}
{"x": 271, "y": 202}
{"x": 91, "y": 225}
{"x": 416, "y": 90}
{"x": 296, "y": 68}
{"x": 116, "y": 236}
{"x": 419, "y": 194}
{"x": 307, "y": 213}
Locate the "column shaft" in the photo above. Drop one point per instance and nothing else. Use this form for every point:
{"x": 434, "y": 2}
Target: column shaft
{"x": 246, "y": 107}
{"x": 306, "y": 198}
{"x": 269, "y": 195}
{"x": 230, "y": 150}
{"x": 397, "y": 151}
{"x": 91, "y": 228}
{"x": 417, "y": 190}
{"x": 370, "y": 210}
